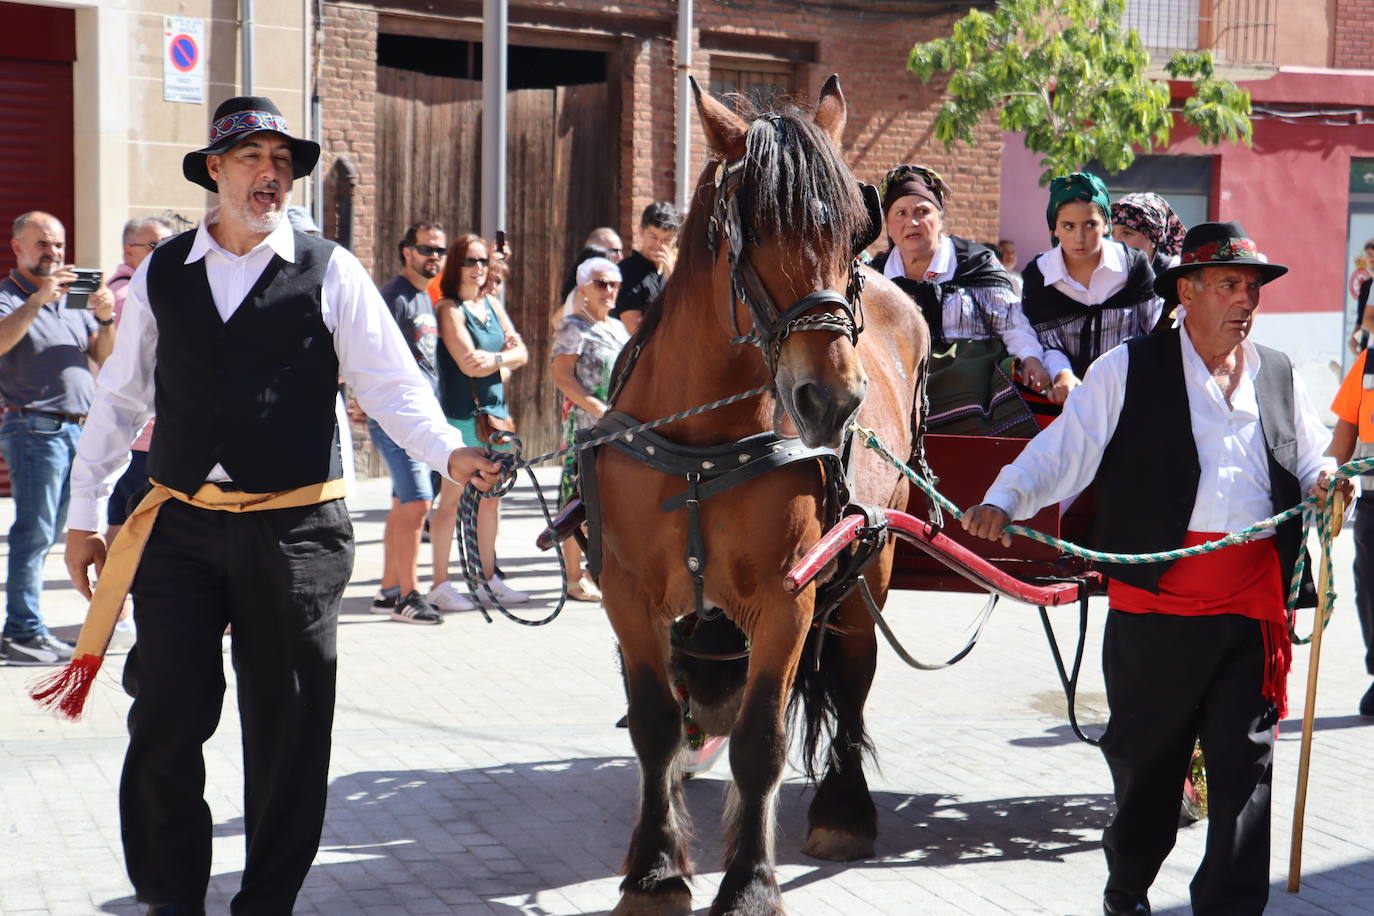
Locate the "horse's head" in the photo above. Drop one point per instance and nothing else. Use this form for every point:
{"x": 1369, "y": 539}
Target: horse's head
{"x": 785, "y": 216}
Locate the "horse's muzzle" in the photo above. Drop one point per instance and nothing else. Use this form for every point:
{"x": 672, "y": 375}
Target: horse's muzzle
{"x": 820, "y": 411}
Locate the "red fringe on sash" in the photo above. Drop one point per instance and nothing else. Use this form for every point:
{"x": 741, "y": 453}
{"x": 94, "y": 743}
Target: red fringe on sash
{"x": 65, "y": 691}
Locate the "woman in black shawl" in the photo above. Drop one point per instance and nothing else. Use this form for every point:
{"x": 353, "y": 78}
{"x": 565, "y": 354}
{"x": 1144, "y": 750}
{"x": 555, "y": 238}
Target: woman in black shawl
{"x": 1087, "y": 294}
{"x": 961, "y": 287}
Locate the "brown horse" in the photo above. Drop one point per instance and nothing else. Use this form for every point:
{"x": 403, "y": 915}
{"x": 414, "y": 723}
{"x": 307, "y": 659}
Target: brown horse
{"x": 800, "y": 212}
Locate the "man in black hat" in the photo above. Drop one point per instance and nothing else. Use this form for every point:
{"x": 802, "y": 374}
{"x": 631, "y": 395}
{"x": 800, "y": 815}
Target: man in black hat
{"x": 237, "y": 332}
{"x": 1187, "y": 434}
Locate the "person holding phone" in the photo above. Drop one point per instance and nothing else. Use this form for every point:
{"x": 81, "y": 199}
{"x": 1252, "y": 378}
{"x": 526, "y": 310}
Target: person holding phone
{"x": 46, "y": 350}
{"x": 647, "y": 269}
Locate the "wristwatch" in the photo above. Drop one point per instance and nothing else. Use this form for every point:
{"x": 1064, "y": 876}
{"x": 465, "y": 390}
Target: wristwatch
{"x": 500, "y": 360}
{"x": 105, "y": 323}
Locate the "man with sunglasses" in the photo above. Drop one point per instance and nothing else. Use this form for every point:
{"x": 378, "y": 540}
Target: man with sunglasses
{"x": 422, "y": 257}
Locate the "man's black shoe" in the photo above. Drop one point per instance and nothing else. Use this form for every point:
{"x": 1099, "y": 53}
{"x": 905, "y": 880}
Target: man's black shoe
{"x": 1125, "y": 903}
{"x": 1367, "y": 702}
{"x": 171, "y": 909}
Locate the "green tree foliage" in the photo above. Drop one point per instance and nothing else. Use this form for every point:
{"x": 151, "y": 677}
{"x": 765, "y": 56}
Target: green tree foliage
{"x": 1068, "y": 74}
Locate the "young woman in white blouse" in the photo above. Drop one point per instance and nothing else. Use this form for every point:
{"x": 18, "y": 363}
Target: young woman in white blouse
{"x": 1087, "y": 294}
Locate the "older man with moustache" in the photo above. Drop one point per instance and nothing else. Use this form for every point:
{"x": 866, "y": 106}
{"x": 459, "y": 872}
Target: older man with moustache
{"x": 237, "y": 333}
{"x": 1187, "y": 434}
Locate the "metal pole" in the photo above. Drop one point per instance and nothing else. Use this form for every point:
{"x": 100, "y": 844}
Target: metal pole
{"x": 684, "y": 104}
{"x": 246, "y": 45}
{"x": 316, "y": 107}
{"x": 494, "y": 28}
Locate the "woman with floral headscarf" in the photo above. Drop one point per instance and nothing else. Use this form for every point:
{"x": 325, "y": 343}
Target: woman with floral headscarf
{"x": 1146, "y": 222}
{"x": 961, "y": 287}
{"x": 1087, "y": 294}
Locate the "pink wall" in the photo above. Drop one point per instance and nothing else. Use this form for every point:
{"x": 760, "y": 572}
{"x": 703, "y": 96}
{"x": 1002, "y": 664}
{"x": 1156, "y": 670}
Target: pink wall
{"x": 1289, "y": 189}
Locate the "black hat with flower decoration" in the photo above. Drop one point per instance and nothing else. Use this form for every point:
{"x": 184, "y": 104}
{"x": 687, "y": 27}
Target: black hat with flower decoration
{"x": 1215, "y": 245}
{"x": 234, "y": 120}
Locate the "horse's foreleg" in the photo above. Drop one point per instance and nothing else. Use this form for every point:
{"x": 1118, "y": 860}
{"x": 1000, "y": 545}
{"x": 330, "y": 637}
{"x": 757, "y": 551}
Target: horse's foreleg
{"x": 758, "y": 751}
{"x": 842, "y": 818}
{"x": 656, "y": 864}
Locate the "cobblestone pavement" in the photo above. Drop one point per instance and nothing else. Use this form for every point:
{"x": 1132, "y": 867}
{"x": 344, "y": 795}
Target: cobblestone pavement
{"x": 476, "y": 771}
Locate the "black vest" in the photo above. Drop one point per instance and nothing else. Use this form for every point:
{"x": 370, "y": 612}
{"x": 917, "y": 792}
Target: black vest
{"x": 1147, "y": 481}
{"x": 256, "y": 393}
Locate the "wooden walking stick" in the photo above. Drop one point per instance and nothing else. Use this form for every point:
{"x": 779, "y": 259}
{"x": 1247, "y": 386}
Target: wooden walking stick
{"x": 1310, "y": 710}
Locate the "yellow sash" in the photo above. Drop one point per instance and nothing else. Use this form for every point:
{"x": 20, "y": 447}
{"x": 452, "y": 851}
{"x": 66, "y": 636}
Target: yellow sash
{"x": 66, "y": 690}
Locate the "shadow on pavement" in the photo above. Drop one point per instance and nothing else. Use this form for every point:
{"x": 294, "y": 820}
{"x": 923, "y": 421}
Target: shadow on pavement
{"x": 514, "y": 831}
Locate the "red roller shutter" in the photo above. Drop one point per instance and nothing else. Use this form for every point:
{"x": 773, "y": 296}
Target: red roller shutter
{"x": 37, "y": 47}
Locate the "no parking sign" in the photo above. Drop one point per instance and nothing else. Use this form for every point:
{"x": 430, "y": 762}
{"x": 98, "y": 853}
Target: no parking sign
{"x": 183, "y": 60}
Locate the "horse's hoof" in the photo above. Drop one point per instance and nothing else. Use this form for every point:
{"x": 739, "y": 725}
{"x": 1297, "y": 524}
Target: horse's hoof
{"x": 674, "y": 900}
{"x": 837, "y": 845}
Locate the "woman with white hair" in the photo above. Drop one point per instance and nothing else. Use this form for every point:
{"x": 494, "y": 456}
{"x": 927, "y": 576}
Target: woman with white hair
{"x": 585, "y": 346}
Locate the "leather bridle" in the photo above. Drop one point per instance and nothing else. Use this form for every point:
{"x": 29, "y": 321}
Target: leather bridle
{"x": 772, "y": 325}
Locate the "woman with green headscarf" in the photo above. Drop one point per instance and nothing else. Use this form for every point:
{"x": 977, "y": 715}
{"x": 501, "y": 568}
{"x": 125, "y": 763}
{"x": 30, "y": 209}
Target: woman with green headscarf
{"x": 1087, "y": 294}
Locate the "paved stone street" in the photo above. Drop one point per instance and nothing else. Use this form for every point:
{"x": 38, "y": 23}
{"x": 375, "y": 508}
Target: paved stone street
{"x": 476, "y": 771}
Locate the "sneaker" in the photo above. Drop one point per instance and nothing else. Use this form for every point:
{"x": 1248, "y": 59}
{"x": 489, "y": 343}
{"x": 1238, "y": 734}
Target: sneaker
{"x": 43, "y": 649}
{"x": 502, "y": 592}
{"x": 383, "y": 603}
{"x": 122, "y": 639}
{"x": 446, "y": 597}
{"x": 414, "y": 609}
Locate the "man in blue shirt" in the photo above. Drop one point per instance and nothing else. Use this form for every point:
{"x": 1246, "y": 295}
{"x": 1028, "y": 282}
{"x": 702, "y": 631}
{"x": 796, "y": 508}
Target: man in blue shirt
{"x": 46, "y": 383}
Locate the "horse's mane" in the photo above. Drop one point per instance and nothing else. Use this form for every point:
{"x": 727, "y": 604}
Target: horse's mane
{"x": 795, "y": 189}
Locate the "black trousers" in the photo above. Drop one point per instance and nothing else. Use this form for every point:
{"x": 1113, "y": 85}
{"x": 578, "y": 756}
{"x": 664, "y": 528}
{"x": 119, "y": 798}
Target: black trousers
{"x": 276, "y": 576}
{"x": 1364, "y": 575}
{"x": 1169, "y": 679}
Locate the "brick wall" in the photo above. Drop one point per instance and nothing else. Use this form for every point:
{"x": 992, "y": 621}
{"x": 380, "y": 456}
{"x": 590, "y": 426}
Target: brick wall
{"x": 890, "y": 112}
{"x": 348, "y": 84}
{"x": 1354, "y": 35}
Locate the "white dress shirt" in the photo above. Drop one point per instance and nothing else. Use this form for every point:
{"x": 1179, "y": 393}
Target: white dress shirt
{"x": 1108, "y": 279}
{"x": 1233, "y": 489}
{"x": 971, "y": 313}
{"x": 373, "y": 358}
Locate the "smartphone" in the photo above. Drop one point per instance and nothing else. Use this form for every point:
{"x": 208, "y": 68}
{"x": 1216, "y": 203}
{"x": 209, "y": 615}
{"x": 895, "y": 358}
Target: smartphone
{"x": 501, "y": 240}
{"x": 79, "y": 290}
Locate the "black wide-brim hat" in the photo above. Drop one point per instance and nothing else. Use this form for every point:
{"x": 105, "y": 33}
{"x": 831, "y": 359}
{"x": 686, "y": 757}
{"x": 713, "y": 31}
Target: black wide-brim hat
{"x": 234, "y": 120}
{"x": 1215, "y": 245}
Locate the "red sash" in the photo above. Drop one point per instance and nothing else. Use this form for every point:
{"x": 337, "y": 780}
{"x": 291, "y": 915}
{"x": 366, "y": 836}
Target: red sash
{"x": 1245, "y": 580}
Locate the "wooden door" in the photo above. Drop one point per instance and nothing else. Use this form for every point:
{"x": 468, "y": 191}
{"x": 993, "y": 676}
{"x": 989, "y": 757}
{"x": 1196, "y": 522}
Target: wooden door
{"x": 562, "y": 182}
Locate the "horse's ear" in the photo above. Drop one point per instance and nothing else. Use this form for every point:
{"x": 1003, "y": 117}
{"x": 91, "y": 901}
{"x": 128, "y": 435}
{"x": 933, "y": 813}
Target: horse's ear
{"x": 724, "y": 129}
{"x": 830, "y": 113}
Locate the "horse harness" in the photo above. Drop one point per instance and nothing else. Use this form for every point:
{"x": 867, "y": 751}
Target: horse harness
{"x": 713, "y": 469}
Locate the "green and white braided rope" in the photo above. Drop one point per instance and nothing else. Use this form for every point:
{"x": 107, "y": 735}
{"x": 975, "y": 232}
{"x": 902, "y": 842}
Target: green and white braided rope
{"x": 1315, "y": 511}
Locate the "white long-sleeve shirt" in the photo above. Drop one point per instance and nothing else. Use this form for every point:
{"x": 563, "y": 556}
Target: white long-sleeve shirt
{"x": 963, "y": 310}
{"x": 1233, "y": 490}
{"x": 1108, "y": 279}
{"x": 373, "y": 358}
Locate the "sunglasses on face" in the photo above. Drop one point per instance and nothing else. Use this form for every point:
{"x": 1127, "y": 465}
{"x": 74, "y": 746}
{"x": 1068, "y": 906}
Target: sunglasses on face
{"x": 607, "y": 285}
{"x": 428, "y": 251}
{"x": 149, "y": 245}
{"x": 476, "y": 262}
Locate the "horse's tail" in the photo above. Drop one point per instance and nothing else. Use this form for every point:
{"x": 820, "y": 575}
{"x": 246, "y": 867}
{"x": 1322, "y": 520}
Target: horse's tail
{"x": 830, "y": 719}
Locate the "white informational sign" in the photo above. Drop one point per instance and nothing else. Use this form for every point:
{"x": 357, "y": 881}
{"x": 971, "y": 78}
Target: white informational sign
{"x": 183, "y": 60}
